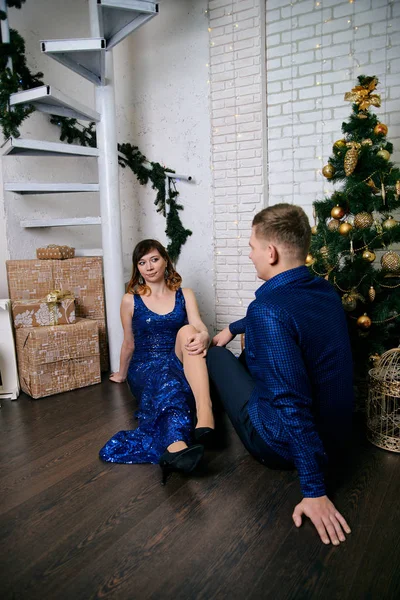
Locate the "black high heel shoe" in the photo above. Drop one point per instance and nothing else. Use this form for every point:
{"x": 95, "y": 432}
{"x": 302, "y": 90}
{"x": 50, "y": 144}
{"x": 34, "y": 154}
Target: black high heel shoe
{"x": 204, "y": 436}
{"x": 183, "y": 461}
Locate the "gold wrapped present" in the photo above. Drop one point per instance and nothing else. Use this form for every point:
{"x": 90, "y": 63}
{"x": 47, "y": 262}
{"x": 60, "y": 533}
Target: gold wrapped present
{"x": 83, "y": 276}
{"x": 57, "y": 308}
{"x": 57, "y": 359}
{"x": 55, "y": 252}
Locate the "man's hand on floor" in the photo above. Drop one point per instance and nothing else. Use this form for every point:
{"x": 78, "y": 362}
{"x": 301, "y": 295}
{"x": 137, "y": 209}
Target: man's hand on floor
{"x": 328, "y": 521}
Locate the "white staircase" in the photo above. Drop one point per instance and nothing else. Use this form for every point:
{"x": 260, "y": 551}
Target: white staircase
{"x": 111, "y": 21}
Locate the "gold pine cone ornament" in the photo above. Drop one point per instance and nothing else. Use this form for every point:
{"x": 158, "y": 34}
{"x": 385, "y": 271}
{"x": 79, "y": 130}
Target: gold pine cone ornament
{"x": 351, "y": 158}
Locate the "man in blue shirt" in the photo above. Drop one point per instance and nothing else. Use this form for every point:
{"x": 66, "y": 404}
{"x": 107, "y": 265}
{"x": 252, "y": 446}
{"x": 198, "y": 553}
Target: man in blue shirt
{"x": 290, "y": 400}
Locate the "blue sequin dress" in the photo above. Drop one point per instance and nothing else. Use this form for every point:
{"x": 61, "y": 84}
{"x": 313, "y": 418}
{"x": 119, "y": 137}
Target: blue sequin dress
{"x": 156, "y": 379}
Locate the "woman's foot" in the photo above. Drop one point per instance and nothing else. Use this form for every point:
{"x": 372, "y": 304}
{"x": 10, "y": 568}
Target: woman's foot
{"x": 205, "y": 436}
{"x": 184, "y": 461}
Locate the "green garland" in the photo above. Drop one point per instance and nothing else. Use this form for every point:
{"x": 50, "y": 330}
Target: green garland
{"x": 72, "y": 131}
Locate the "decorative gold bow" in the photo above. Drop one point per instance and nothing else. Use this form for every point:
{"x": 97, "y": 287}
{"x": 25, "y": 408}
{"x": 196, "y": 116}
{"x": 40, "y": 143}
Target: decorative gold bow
{"x": 52, "y": 299}
{"x": 58, "y": 295}
{"x": 362, "y": 95}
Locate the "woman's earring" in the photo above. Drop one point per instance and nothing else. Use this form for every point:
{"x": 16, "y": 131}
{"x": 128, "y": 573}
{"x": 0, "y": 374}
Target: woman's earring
{"x": 141, "y": 280}
{"x": 166, "y": 274}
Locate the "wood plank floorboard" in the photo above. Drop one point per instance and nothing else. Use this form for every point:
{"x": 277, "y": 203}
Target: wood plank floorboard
{"x": 73, "y": 527}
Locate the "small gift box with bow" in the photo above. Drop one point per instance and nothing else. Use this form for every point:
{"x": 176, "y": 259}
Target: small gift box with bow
{"x": 57, "y": 308}
{"x": 55, "y": 252}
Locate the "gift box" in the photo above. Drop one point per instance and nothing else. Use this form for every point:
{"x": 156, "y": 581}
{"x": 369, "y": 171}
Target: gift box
{"x": 55, "y": 252}
{"x": 57, "y": 308}
{"x": 82, "y": 276}
{"x": 58, "y": 358}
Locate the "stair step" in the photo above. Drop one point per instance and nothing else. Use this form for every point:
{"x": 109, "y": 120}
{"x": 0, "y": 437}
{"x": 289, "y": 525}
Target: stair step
{"x": 20, "y": 146}
{"x": 118, "y": 18}
{"x": 50, "y": 188}
{"x": 49, "y": 99}
{"x": 84, "y": 56}
{"x": 72, "y": 222}
{"x": 88, "y": 252}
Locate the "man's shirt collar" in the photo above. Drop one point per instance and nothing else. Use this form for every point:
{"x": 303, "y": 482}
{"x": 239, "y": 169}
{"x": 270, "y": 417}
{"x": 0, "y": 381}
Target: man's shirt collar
{"x": 291, "y": 276}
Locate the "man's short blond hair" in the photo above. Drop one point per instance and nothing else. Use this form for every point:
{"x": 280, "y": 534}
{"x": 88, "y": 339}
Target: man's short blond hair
{"x": 286, "y": 225}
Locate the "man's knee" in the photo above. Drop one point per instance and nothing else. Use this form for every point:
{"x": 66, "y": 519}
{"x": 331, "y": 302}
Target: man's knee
{"x": 214, "y": 356}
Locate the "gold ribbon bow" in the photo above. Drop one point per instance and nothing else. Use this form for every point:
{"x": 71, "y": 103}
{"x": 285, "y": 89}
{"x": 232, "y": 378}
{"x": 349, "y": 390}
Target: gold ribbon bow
{"x": 363, "y": 96}
{"x": 52, "y": 299}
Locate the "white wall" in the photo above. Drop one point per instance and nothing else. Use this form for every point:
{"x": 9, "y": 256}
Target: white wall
{"x": 315, "y": 51}
{"x": 162, "y": 106}
{"x": 238, "y": 147}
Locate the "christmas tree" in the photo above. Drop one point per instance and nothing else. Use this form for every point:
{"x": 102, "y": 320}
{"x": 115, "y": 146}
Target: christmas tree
{"x": 355, "y": 229}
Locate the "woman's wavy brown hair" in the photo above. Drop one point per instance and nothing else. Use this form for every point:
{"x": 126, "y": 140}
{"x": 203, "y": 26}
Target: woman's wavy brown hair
{"x": 173, "y": 279}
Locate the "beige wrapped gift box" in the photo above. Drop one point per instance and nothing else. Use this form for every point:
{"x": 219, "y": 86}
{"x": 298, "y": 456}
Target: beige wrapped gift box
{"x": 83, "y": 276}
{"x": 57, "y": 359}
{"x": 55, "y": 252}
{"x": 58, "y": 308}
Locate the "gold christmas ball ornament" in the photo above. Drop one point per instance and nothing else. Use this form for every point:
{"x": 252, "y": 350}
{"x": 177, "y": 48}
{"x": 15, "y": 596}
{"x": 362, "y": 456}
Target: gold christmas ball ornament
{"x": 337, "y": 212}
{"x": 339, "y": 145}
{"x": 390, "y": 261}
{"x": 363, "y": 220}
{"x": 389, "y": 223}
{"x": 383, "y": 154}
{"x": 314, "y": 230}
{"x": 371, "y": 293}
{"x": 368, "y": 255}
{"x": 349, "y": 302}
{"x": 380, "y": 129}
{"x": 333, "y": 225}
{"x": 309, "y": 260}
{"x": 398, "y": 187}
{"x": 364, "y": 322}
{"x": 345, "y": 228}
{"x": 328, "y": 171}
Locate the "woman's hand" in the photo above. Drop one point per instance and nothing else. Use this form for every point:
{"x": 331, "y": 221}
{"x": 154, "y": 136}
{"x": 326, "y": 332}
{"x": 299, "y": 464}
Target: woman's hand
{"x": 117, "y": 378}
{"x": 198, "y": 343}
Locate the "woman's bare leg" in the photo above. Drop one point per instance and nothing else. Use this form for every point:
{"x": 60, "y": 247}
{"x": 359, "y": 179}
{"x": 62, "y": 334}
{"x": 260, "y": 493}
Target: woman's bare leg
{"x": 195, "y": 369}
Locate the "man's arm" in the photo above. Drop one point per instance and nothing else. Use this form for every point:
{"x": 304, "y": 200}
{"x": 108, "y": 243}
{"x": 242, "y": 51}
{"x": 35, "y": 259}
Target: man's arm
{"x": 283, "y": 382}
{"x": 226, "y": 335}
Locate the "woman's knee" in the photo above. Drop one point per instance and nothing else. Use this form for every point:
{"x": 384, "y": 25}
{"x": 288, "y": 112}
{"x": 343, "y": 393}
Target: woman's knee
{"x": 185, "y": 331}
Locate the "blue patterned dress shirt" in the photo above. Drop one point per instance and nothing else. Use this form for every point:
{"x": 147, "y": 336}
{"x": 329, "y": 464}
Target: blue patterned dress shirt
{"x": 298, "y": 354}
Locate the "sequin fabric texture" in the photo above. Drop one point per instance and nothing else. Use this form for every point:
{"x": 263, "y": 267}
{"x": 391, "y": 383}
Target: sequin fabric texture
{"x": 156, "y": 379}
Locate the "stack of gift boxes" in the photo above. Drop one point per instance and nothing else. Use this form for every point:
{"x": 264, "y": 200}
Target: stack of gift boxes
{"x": 59, "y": 319}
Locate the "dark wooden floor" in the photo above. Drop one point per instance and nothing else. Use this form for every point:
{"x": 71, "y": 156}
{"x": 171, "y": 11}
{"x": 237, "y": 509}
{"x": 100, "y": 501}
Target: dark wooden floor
{"x": 73, "y": 527}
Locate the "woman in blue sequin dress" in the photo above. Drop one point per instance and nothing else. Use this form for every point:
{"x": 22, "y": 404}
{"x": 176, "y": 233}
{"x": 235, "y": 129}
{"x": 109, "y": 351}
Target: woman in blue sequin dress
{"x": 162, "y": 357}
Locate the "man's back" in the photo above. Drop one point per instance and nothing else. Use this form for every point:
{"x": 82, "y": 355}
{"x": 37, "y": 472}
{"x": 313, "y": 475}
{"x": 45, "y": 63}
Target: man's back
{"x": 298, "y": 352}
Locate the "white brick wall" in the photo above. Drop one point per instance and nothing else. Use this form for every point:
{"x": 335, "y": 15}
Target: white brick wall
{"x": 237, "y": 66}
{"x": 315, "y": 49}
{"x": 327, "y": 44}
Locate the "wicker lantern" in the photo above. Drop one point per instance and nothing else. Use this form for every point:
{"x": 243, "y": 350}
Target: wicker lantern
{"x": 383, "y": 409}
